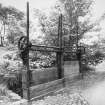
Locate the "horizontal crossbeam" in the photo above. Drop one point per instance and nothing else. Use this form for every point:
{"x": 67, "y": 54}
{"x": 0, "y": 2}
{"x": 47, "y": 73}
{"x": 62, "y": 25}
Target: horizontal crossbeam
{"x": 52, "y": 49}
{"x": 70, "y": 52}
{"x": 45, "y": 48}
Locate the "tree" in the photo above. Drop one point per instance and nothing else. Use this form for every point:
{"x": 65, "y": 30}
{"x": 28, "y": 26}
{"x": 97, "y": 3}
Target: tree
{"x": 74, "y": 12}
{"x": 48, "y": 26}
{"x": 10, "y": 17}
{"x": 15, "y": 29}
{"x": 76, "y": 20}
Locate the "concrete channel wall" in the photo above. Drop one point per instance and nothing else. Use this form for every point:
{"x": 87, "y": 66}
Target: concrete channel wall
{"x": 44, "y": 75}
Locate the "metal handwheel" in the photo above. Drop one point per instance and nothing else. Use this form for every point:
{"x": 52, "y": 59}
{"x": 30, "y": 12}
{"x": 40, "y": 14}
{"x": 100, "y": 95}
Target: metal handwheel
{"x": 23, "y": 48}
{"x": 22, "y": 43}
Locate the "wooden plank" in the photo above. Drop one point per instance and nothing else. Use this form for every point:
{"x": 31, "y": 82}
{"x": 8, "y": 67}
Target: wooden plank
{"x": 52, "y": 48}
{"x": 45, "y": 48}
{"x": 39, "y": 90}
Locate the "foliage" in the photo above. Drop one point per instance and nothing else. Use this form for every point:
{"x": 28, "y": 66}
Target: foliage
{"x": 11, "y": 69}
{"x": 4, "y": 11}
{"x": 95, "y": 57}
{"x": 5, "y": 65}
{"x": 7, "y": 56}
{"x": 11, "y": 21}
{"x": 14, "y": 83}
{"x": 8, "y": 67}
{"x": 37, "y": 60}
{"x": 14, "y": 56}
{"x": 42, "y": 60}
{"x": 15, "y": 30}
{"x": 87, "y": 68}
{"x": 49, "y": 26}
{"x": 72, "y": 11}
{"x": 11, "y": 47}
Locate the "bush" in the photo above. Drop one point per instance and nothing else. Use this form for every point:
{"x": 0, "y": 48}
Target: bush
{"x": 95, "y": 58}
{"x": 11, "y": 47}
{"x": 14, "y": 82}
{"x": 8, "y": 56}
{"x": 16, "y": 56}
{"x": 12, "y": 76}
{"x": 11, "y": 68}
{"x": 42, "y": 61}
{"x": 8, "y": 67}
{"x": 12, "y": 56}
{"x": 87, "y": 68}
{"x": 3, "y": 67}
{"x": 14, "y": 67}
{"x": 34, "y": 56}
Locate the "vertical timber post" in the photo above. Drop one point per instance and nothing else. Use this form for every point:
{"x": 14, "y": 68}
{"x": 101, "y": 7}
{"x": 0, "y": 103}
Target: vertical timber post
{"x": 78, "y": 48}
{"x": 60, "y": 63}
{"x": 26, "y": 72}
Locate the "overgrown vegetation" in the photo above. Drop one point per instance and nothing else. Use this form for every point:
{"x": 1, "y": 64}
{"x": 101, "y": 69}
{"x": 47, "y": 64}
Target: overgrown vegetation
{"x": 12, "y": 27}
{"x": 11, "y": 68}
{"x": 94, "y": 57}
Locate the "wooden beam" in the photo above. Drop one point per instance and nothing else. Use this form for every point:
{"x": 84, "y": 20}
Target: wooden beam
{"x": 60, "y": 63}
{"x": 45, "y": 48}
{"x": 26, "y": 82}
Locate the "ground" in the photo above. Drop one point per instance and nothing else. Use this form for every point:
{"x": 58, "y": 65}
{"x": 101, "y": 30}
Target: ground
{"x": 96, "y": 94}
{"x": 92, "y": 88}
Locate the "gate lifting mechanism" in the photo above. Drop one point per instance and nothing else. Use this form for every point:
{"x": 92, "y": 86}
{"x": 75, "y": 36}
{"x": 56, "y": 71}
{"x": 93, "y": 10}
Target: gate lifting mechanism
{"x": 25, "y": 46}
